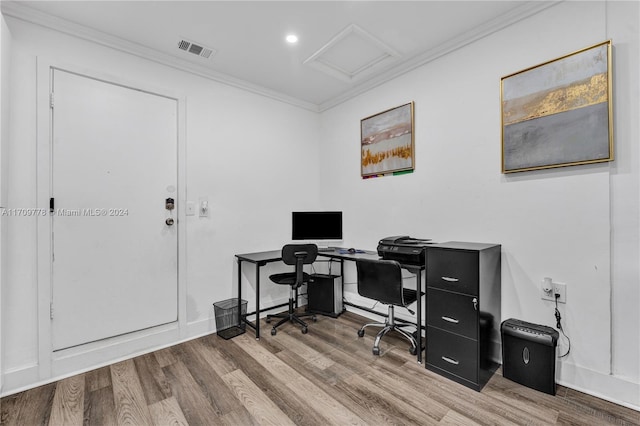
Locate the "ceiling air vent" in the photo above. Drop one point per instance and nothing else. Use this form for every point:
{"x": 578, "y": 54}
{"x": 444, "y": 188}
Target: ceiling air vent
{"x": 196, "y": 49}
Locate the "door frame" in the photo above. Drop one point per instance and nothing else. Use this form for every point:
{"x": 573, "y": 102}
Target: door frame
{"x": 111, "y": 349}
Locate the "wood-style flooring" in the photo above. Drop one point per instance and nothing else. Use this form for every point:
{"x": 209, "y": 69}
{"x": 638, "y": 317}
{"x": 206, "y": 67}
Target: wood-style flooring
{"x": 326, "y": 377}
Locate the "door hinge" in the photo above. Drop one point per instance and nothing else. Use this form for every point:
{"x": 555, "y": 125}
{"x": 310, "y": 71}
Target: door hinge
{"x": 51, "y": 100}
{"x": 51, "y": 310}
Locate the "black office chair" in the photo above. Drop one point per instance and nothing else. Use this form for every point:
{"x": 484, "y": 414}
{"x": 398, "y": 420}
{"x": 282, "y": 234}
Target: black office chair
{"x": 298, "y": 255}
{"x": 381, "y": 280}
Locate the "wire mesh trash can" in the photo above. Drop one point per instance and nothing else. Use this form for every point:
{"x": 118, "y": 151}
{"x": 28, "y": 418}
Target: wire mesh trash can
{"x": 230, "y": 316}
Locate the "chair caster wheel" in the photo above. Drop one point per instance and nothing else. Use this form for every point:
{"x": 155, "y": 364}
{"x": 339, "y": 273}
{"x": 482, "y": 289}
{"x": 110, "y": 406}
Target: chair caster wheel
{"x": 305, "y": 330}
{"x": 314, "y": 318}
{"x": 273, "y": 331}
{"x": 376, "y": 351}
{"x": 360, "y": 333}
{"x": 268, "y": 320}
{"x": 413, "y": 351}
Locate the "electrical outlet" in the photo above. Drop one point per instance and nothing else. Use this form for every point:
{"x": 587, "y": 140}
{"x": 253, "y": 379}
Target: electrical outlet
{"x": 553, "y": 289}
{"x": 560, "y": 289}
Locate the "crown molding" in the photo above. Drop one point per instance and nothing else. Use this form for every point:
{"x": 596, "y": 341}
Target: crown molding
{"x": 25, "y": 13}
{"x": 33, "y": 16}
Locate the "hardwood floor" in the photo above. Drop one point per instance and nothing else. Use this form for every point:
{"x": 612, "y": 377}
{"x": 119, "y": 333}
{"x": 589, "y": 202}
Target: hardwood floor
{"x": 326, "y": 377}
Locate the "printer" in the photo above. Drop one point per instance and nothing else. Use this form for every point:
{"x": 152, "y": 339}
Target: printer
{"x": 404, "y": 249}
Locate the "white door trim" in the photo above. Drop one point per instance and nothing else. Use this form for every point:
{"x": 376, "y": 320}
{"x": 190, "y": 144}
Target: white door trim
{"x": 110, "y": 348}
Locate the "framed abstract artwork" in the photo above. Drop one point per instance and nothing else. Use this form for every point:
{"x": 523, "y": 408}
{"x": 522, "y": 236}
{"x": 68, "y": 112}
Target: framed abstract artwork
{"x": 558, "y": 113}
{"x": 386, "y": 142}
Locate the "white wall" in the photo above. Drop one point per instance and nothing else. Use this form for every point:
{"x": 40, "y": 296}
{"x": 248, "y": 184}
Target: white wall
{"x": 5, "y": 61}
{"x": 241, "y": 151}
{"x": 578, "y": 225}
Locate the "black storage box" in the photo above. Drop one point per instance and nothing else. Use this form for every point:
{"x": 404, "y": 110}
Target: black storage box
{"x": 324, "y": 295}
{"x": 230, "y": 315}
{"x": 529, "y": 354}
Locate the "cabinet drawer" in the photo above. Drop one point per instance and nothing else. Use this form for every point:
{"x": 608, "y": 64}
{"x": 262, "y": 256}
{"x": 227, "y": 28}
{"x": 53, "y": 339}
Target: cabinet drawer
{"x": 452, "y": 312}
{"x": 454, "y": 270}
{"x": 455, "y": 354}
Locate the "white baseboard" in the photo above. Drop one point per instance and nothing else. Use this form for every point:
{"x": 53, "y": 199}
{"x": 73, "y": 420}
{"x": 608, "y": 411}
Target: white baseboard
{"x": 20, "y": 379}
{"x": 604, "y": 386}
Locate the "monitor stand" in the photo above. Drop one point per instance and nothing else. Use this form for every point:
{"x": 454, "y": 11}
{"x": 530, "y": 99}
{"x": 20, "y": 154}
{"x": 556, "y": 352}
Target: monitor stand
{"x": 323, "y": 245}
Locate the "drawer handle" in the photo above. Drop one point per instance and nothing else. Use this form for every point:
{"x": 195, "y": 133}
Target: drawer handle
{"x": 450, "y": 361}
{"x": 450, "y": 279}
{"x": 449, "y": 319}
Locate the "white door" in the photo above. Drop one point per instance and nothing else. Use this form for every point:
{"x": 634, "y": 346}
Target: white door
{"x": 114, "y": 164}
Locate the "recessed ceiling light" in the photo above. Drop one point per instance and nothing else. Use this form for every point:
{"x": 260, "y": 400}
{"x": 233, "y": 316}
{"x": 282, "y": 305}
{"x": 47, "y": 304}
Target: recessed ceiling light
{"x": 292, "y": 38}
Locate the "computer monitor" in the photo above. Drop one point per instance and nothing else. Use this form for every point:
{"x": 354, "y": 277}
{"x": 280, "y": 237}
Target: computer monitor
{"x": 321, "y": 227}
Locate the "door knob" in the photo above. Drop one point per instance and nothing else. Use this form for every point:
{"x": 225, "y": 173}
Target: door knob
{"x": 169, "y": 221}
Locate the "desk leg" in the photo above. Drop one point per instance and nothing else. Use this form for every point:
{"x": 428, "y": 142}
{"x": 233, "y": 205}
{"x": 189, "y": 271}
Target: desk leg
{"x": 258, "y": 265}
{"x": 240, "y": 291}
{"x": 239, "y": 279}
{"x": 419, "y": 315}
{"x": 342, "y": 286}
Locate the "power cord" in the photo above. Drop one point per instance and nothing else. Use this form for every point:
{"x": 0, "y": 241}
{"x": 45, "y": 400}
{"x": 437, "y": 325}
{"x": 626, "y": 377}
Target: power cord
{"x": 559, "y": 327}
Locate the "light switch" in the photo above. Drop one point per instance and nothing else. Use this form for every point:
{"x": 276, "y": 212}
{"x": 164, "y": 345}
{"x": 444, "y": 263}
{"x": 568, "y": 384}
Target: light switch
{"x": 191, "y": 208}
{"x": 204, "y": 207}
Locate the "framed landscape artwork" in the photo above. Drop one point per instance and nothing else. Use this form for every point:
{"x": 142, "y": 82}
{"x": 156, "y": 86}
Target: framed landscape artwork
{"x": 386, "y": 141}
{"x": 558, "y": 113}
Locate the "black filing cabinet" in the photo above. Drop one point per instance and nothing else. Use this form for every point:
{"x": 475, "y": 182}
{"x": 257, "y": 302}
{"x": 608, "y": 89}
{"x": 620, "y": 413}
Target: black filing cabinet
{"x": 463, "y": 310}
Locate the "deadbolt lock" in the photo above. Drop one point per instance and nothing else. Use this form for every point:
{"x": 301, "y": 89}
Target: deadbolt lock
{"x": 169, "y": 221}
{"x": 169, "y": 204}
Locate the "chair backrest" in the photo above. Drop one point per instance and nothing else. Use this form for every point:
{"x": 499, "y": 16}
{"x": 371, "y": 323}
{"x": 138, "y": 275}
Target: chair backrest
{"x": 298, "y": 255}
{"x": 380, "y": 280}
{"x": 289, "y": 253}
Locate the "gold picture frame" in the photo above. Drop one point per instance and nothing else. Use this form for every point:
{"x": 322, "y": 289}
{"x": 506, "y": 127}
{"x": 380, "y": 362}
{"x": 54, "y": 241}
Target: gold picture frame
{"x": 559, "y": 113}
{"x": 387, "y": 142}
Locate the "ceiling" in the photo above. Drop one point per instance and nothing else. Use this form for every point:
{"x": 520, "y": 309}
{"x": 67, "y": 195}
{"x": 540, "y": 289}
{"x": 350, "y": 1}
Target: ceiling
{"x": 344, "y": 47}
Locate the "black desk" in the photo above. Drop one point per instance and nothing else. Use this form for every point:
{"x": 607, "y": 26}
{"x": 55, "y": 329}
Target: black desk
{"x": 259, "y": 259}
{"x": 262, "y": 258}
